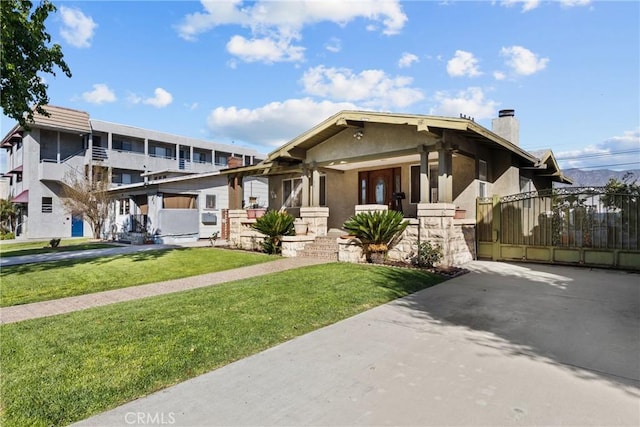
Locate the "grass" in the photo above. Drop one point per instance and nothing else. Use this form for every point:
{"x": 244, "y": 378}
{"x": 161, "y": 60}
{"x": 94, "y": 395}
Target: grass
{"x": 42, "y": 247}
{"x": 27, "y": 283}
{"x": 62, "y": 369}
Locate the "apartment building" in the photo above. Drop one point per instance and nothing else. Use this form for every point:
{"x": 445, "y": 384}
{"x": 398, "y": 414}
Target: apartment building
{"x": 70, "y": 142}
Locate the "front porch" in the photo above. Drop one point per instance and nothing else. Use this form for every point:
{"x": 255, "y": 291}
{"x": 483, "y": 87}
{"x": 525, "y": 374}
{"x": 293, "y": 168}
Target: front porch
{"x": 434, "y": 223}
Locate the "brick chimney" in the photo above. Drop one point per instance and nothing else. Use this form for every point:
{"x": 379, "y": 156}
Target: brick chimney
{"x": 234, "y": 162}
{"x": 507, "y": 126}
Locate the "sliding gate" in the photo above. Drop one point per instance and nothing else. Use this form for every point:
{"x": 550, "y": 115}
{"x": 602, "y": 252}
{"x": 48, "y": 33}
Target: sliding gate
{"x": 581, "y": 226}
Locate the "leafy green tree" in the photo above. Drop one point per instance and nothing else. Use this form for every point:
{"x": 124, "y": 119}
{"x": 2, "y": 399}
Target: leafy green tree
{"x": 274, "y": 224}
{"x": 24, "y": 53}
{"x": 622, "y": 194}
{"x": 8, "y": 214}
{"x": 377, "y": 231}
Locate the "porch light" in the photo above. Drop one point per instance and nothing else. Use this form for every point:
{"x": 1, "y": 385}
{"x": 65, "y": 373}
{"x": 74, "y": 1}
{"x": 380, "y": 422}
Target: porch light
{"x": 358, "y": 134}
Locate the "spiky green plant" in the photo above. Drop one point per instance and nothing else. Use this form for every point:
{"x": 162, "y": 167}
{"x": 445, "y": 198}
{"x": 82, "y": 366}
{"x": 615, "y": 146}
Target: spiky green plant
{"x": 377, "y": 231}
{"x": 274, "y": 224}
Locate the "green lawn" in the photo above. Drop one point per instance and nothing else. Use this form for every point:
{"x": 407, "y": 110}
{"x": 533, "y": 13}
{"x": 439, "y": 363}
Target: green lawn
{"x": 42, "y": 247}
{"x": 27, "y": 283}
{"x": 62, "y": 369}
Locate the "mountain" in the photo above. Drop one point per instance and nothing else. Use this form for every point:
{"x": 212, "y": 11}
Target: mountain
{"x": 596, "y": 178}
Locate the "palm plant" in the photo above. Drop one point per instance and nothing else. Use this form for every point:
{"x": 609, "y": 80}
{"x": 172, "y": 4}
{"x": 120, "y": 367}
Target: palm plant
{"x": 274, "y": 224}
{"x": 377, "y": 231}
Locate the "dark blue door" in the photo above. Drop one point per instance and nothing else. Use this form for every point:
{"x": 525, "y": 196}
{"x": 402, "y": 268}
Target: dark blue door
{"x": 77, "y": 226}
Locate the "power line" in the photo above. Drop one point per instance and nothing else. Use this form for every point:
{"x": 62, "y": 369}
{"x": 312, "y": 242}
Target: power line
{"x": 612, "y": 153}
{"x": 605, "y": 166}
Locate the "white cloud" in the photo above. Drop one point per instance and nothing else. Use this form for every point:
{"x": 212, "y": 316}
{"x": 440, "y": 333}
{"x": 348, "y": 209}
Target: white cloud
{"x": 266, "y": 50}
{"x": 463, "y": 64}
{"x": 499, "y": 75}
{"x": 407, "y": 60}
{"x": 470, "y": 102}
{"x": 281, "y": 22}
{"x": 613, "y": 153}
{"x": 371, "y": 88}
{"x": 575, "y": 3}
{"x": 334, "y": 45}
{"x": 161, "y": 98}
{"x": 527, "y": 5}
{"x": 271, "y": 125}
{"x": 77, "y": 28}
{"x": 99, "y": 95}
{"x": 522, "y": 61}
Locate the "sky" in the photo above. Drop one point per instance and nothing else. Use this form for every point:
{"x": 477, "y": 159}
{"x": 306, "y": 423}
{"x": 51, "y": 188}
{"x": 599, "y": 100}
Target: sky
{"x": 257, "y": 74}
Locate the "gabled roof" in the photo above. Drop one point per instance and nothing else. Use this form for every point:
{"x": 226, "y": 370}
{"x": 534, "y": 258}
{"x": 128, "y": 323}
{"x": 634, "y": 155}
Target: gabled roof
{"x": 430, "y": 124}
{"x": 553, "y": 169}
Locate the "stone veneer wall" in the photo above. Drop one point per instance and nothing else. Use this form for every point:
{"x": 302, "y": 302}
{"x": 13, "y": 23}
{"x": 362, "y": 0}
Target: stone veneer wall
{"x": 316, "y": 219}
{"x": 435, "y": 224}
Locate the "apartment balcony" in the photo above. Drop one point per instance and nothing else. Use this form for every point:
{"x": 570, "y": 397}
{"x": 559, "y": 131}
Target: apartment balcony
{"x": 50, "y": 170}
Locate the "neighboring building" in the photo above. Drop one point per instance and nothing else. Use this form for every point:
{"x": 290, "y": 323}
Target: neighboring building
{"x": 178, "y": 209}
{"x": 69, "y": 141}
{"x": 421, "y": 165}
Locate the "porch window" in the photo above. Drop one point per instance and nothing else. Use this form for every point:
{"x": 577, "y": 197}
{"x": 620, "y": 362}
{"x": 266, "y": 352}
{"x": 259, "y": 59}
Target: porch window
{"x": 210, "y": 201}
{"x": 415, "y": 184}
{"x": 47, "y": 204}
{"x": 292, "y": 192}
{"x": 124, "y": 205}
{"x": 323, "y": 190}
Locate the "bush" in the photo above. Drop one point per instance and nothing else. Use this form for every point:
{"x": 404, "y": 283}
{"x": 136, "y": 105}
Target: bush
{"x": 7, "y": 236}
{"x": 274, "y": 225}
{"x": 428, "y": 255}
{"x": 54, "y": 243}
{"x": 377, "y": 231}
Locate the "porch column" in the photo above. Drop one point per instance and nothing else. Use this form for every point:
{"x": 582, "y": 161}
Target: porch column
{"x": 445, "y": 179}
{"x": 425, "y": 191}
{"x": 236, "y": 194}
{"x": 315, "y": 185}
{"x": 305, "y": 190}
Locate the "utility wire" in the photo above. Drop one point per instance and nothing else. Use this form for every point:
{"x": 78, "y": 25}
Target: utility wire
{"x": 612, "y": 153}
{"x": 604, "y": 166}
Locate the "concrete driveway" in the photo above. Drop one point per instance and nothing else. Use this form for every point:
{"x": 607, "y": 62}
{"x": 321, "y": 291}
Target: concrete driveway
{"x": 504, "y": 345}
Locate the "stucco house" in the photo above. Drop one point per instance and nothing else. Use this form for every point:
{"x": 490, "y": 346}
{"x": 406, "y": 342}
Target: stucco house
{"x": 70, "y": 141}
{"x": 176, "y": 209}
{"x": 431, "y": 168}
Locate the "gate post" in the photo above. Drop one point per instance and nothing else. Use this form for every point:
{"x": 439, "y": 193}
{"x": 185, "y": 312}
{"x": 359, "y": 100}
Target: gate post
{"x": 495, "y": 229}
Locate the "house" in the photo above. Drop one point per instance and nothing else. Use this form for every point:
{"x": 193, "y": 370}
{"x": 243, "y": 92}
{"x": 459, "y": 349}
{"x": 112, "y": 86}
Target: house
{"x": 431, "y": 168}
{"x": 176, "y": 209}
{"x": 70, "y": 142}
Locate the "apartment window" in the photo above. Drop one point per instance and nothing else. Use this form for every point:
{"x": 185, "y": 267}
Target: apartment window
{"x": 124, "y": 206}
{"x": 47, "y": 204}
{"x": 210, "y": 201}
{"x": 222, "y": 159}
{"x": 18, "y": 176}
{"x": 126, "y": 178}
{"x": 292, "y": 192}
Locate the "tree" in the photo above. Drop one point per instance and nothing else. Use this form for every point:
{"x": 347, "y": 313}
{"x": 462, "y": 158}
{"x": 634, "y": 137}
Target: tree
{"x": 88, "y": 196}
{"x": 8, "y": 213}
{"x": 24, "y": 53}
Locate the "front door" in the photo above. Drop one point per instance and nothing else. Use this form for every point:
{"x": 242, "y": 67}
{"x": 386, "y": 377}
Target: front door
{"x": 77, "y": 226}
{"x": 378, "y": 187}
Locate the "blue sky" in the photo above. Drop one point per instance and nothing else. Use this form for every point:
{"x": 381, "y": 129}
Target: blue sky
{"x": 259, "y": 73}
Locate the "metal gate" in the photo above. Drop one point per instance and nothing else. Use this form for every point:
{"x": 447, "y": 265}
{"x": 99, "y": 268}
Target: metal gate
{"x": 573, "y": 225}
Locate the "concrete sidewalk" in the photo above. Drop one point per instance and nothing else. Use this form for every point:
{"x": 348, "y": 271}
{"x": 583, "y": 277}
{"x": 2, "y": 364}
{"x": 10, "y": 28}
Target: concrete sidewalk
{"x": 505, "y": 345}
{"x": 66, "y": 305}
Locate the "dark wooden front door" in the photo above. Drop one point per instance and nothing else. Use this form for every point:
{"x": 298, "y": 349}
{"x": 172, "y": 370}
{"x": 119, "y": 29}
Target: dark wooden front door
{"x": 378, "y": 187}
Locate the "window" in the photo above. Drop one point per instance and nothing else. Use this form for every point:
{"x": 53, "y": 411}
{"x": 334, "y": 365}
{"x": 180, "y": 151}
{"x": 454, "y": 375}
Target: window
{"x": 292, "y": 192}
{"x": 415, "y": 184}
{"x": 482, "y": 170}
{"x": 124, "y": 206}
{"x": 47, "y": 205}
{"x": 210, "y": 202}
{"x": 482, "y": 191}
{"x": 323, "y": 190}
{"x": 126, "y": 178}
{"x": 18, "y": 176}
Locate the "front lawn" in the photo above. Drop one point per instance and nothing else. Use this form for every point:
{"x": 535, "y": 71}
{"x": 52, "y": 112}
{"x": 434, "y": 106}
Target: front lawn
{"x": 62, "y": 369}
{"x": 27, "y": 283}
{"x": 42, "y": 247}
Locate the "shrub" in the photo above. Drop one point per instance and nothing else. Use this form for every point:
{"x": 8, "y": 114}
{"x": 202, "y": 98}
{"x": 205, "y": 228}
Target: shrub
{"x": 377, "y": 231}
{"x": 428, "y": 255}
{"x": 54, "y": 243}
{"x": 274, "y": 225}
{"x": 7, "y": 236}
